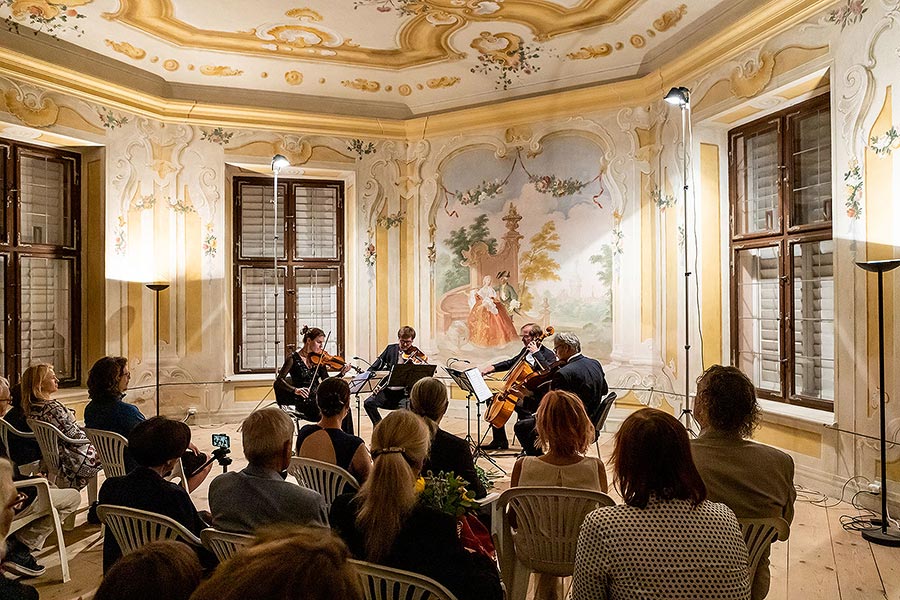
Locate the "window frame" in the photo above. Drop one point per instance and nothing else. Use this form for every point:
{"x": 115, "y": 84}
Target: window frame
{"x": 785, "y": 236}
{"x": 13, "y": 249}
{"x": 288, "y": 264}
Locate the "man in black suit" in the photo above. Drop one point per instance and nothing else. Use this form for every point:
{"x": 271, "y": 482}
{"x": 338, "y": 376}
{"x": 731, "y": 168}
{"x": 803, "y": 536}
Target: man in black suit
{"x": 580, "y": 375}
{"x": 390, "y": 398}
{"x": 538, "y": 356}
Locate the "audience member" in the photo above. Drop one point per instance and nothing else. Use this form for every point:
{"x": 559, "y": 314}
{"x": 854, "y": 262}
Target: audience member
{"x": 158, "y": 571}
{"x": 667, "y": 540}
{"x": 79, "y": 461}
{"x": 107, "y": 382}
{"x": 156, "y": 444}
{"x": 326, "y": 441}
{"x": 383, "y": 523}
{"x": 300, "y": 563}
{"x": 753, "y": 480}
{"x": 564, "y": 433}
{"x": 10, "y": 501}
{"x": 22, "y": 450}
{"x": 428, "y": 399}
{"x": 242, "y": 501}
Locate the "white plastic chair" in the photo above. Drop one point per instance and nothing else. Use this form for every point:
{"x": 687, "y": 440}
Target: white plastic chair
{"x": 41, "y": 507}
{"x": 544, "y": 540}
{"x": 327, "y": 479}
{"x": 759, "y": 534}
{"x": 48, "y": 438}
{"x": 111, "y": 450}
{"x": 385, "y": 583}
{"x": 224, "y": 544}
{"x": 134, "y": 528}
{"x": 7, "y": 429}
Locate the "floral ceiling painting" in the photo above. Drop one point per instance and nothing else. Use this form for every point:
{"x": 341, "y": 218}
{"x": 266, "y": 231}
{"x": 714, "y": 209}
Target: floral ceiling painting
{"x": 425, "y": 55}
{"x": 524, "y": 239}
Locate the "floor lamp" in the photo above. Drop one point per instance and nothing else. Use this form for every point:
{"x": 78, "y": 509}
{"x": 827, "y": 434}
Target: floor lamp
{"x": 883, "y": 534}
{"x": 157, "y": 287}
{"x": 681, "y": 97}
{"x": 278, "y": 162}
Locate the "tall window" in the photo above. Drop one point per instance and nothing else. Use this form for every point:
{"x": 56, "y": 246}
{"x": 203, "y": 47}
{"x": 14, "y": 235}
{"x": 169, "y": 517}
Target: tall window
{"x": 310, "y": 268}
{"x": 39, "y": 260}
{"x": 782, "y": 284}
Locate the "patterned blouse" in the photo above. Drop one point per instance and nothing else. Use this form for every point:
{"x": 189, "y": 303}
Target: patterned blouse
{"x": 666, "y": 550}
{"x": 79, "y": 461}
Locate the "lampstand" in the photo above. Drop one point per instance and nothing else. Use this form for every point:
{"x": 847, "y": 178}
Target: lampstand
{"x": 883, "y": 534}
{"x": 157, "y": 287}
{"x": 681, "y": 97}
{"x": 278, "y": 163}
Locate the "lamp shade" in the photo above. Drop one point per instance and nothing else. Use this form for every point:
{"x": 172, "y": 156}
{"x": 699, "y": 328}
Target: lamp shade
{"x": 279, "y": 162}
{"x": 679, "y": 96}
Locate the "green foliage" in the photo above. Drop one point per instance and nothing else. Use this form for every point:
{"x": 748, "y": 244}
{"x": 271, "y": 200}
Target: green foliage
{"x": 447, "y": 493}
{"x": 459, "y": 241}
{"x": 605, "y": 275}
{"x": 537, "y": 264}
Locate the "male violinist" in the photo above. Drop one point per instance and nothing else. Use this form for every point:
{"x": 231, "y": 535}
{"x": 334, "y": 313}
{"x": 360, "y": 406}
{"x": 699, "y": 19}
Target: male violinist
{"x": 539, "y": 357}
{"x": 391, "y": 398}
{"x": 578, "y": 374}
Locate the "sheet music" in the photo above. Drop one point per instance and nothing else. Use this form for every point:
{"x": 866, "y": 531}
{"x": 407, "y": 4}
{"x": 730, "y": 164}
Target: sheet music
{"x": 359, "y": 380}
{"x": 478, "y": 385}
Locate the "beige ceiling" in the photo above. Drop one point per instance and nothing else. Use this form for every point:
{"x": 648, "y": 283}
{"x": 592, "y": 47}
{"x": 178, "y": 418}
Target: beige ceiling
{"x": 392, "y": 58}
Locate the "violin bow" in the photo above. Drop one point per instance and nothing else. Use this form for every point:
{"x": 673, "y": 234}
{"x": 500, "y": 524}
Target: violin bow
{"x": 319, "y": 364}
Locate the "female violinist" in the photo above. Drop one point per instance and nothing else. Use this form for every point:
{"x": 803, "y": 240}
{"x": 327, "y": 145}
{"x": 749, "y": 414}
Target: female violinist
{"x": 306, "y": 373}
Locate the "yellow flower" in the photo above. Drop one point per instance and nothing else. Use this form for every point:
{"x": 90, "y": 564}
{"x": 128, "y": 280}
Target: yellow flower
{"x": 420, "y": 485}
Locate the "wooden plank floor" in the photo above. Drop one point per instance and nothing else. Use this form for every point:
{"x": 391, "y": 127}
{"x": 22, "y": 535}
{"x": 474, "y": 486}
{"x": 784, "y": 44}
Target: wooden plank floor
{"x": 820, "y": 560}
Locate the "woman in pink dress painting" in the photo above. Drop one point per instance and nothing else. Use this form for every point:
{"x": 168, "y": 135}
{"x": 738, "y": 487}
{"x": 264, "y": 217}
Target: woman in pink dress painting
{"x": 489, "y": 323}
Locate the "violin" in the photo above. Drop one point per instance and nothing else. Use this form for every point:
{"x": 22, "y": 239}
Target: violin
{"x": 517, "y": 389}
{"x": 413, "y": 356}
{"x": 330, "y": 361}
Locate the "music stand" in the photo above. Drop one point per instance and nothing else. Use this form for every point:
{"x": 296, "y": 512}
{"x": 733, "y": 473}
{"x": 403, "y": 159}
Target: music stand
{"x": 364, "y": 382}
{"x": 472, "y": 382}
{"x": 405, "y": 375}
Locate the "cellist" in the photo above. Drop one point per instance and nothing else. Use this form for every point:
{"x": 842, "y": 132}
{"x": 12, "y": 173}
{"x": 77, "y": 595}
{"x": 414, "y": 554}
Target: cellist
{"x": 539, "y": 357}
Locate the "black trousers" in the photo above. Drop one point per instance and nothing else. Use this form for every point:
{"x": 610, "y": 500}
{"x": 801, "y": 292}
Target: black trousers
{"x": 526, "y": 432}
{"x": 387, "y": 399}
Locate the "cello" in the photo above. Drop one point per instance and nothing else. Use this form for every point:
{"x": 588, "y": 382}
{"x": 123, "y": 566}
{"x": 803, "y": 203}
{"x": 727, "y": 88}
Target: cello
{"x": 516, "y": 388}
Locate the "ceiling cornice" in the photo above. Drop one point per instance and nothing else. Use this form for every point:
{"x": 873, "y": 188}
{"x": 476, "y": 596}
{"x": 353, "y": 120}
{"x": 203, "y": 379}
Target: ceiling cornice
{"x": 760, "y": 25}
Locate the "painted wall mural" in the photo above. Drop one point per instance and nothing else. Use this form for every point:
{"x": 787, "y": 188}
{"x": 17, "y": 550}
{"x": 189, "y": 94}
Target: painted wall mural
{"x": 523, "y": 238}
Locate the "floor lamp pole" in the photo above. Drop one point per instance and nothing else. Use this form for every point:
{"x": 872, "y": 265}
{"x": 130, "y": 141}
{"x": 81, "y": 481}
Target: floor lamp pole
{"x": 278, "y": 163}
{"x": 157, "y": 287}
{"x": 884, "y": 534}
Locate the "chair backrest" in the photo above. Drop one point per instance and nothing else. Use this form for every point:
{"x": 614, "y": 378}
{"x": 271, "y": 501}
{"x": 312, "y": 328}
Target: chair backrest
{"x": 548, "y": 520}
{"x": 327, "y": 479}
{"x": 385, "y": 583}
{"x": 111, "y": 450}
{"x": 6, "y": 428}
{"x": 134, "y": 528}
{"x": 759, "y": 535}
{"x": 224, "y": 544}
{"x": 599, "y": 419}
{"x": 48, "y": 437}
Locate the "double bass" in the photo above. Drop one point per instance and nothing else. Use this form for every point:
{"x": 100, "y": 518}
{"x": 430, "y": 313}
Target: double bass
{"x": 520, "y": 383}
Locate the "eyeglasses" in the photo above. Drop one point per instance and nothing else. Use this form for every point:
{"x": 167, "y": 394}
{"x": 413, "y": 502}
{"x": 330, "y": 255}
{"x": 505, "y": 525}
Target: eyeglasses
{"x": 18, "y": 502}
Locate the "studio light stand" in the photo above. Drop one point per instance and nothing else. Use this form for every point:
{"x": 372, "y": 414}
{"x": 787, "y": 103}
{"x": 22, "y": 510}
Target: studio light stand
{"x": 681, "y": 97}
{"x": 883, "y": 533}
{"x": 157, "y": 287}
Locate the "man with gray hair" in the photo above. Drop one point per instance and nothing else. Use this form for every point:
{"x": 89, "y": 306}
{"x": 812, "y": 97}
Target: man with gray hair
{"x": 578, "y": 374}
{"x": 258, "y": 495}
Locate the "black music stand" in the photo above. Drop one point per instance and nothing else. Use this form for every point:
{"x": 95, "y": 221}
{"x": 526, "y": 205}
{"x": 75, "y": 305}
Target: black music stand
{"x": 364, "y": 383}
{"x": 472, "y": 382}
{"x": 405, "y": 375}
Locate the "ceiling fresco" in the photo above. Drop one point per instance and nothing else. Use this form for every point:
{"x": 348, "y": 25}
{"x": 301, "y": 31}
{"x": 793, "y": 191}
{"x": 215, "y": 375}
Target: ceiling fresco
{"x": 429, "y": 55}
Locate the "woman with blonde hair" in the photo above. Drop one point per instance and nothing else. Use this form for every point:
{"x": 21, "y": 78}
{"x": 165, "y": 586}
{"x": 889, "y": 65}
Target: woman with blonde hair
{"x": 384, "y": 522}
{"x": 428, "y": 399}
{"x": 79, "y": 461}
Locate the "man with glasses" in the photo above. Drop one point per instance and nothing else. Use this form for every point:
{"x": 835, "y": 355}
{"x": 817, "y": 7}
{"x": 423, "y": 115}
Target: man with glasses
{"x": 579, "y": 374}
{"x": 391, "y": 398}
{"x": 539, "y": 357}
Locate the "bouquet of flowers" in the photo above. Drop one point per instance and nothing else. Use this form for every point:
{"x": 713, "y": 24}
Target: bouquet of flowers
{"x": 446, "y": 492}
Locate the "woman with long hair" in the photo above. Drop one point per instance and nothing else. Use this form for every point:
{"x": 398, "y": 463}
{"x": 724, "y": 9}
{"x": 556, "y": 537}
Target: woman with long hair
{"x": 326, "y": 441}
{"x": 428, "y": 399}
{"x": 79, "y": 461}
{"x": 667, "y": 540}
{"x": 384, "y": 522}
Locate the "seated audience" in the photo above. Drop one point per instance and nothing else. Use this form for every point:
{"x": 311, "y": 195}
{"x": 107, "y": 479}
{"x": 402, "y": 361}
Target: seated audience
{"x": 667, "y": 540}
{"x": 326, "y": 441}
{"x": 242, "y": 501}
{"x": 22, "y": 451}
{"x": 428, "y": 399}
{"x": 753, "y": 480}
{"x": 158, "y": 571}
{"x": 11, "y": 500}
{"x": 383, "y": 523}
{"x": 107, "y": 382}
{"x": 156, "y": 444}
{"x": 20, "y": 547}
{"x": 309, "y": 563}
{"x": 564, "y": 433}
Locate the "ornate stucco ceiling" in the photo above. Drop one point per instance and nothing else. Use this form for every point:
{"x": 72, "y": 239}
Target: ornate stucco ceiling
{"x": 421, "y": 56}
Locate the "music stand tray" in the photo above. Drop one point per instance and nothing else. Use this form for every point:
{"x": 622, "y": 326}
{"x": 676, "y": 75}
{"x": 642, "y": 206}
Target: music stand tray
{"x": 471, "y": 382}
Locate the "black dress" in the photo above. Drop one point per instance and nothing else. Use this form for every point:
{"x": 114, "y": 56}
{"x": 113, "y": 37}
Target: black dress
{"x": 301, "y": 377}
